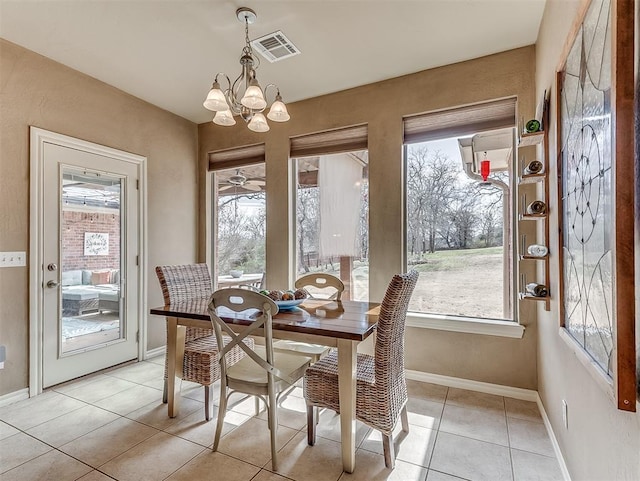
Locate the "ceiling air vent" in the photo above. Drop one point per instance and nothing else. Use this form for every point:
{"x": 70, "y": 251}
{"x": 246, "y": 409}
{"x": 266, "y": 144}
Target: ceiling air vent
{"x": 275, "y": 46}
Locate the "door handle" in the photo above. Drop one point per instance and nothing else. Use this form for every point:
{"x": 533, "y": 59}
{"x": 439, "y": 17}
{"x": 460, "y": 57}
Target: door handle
{"x": 52, "y": 284}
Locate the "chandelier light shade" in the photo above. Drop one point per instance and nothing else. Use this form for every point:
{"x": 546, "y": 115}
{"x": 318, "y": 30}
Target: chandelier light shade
{"x": 216, "y": 100}
{"x": 258, "y": 123}
{"x": 278, "y": 111}
{"x": 224, "y": 117}
{"x": 245, "y": 97}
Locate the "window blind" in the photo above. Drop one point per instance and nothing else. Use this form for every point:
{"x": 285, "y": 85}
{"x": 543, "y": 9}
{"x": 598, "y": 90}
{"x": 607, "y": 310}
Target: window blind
{"x": 236, "y": 157}
{"x": 458, "y": 121}
{"x": 347, "y": 139}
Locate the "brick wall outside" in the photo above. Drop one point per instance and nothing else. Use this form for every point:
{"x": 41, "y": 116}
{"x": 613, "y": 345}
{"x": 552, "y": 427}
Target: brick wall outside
{"x": 74, "y": 225}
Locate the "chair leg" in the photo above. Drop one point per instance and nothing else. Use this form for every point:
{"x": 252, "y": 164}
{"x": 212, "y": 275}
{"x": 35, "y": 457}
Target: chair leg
{"x": 404, "y": 419}
{"x": 257, "y": 403}
{"x": 273, "y": 424}
{"x": 165, "y": 390}
{"x": 222, "y": 408}
{"x": 312, "y": 420}
{"x": 389, "y": 451}
{"x": 207, "y": 401}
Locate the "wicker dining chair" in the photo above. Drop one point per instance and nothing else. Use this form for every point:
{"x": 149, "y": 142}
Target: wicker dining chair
{"x": 262, "y": 372}
{"x": 181, "y": 283}
{"x": 322, "y": 281}
{"x": 381, "y": 389}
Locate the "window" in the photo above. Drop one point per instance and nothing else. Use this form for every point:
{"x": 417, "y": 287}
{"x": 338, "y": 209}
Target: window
{"x": 239, "y": 217}
{"x": 459, "y": 225}
{"x": 332, "y": 211}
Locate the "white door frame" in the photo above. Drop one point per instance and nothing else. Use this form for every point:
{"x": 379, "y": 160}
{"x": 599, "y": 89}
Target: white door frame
{"x": 39, "y": 137}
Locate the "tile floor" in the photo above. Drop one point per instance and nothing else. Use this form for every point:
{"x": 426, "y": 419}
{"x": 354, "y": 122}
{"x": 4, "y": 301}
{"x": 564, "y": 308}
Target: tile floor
{"x": 112, "y": 425}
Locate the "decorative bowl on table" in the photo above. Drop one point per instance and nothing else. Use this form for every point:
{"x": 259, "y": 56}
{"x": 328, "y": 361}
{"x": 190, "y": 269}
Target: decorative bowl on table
{"x": 236, "y": 273}
{"x": 286, "y": 300}
{"x": 288, "y": 305}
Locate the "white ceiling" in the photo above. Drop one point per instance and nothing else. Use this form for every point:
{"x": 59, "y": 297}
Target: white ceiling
{"x": 168, "y": 51}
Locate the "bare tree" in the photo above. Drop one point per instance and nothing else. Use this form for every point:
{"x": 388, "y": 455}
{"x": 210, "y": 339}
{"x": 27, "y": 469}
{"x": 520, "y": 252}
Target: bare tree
{"x": 363, "y": 227}
{"x": 241, "y": 233}
{"x": 464, "y": 219}
{"x": 432, "y": 186}
{"x": 307, "y": 213}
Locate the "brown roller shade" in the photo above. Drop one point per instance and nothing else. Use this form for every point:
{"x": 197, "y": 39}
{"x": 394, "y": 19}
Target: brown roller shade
{"x": 466, "y": 120}
{"x": 236, "y": 157}
{"x": 347, "y": 139}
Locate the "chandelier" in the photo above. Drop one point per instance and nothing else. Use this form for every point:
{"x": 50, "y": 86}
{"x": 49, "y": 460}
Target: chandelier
{"x": 245, "y": 97}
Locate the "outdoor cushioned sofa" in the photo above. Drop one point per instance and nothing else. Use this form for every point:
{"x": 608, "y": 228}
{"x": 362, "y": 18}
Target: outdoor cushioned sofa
{"x": 85, "y": 291}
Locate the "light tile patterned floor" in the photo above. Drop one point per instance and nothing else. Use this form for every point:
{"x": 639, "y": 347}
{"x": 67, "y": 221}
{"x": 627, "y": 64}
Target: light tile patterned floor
{"x": 113, "y": 425}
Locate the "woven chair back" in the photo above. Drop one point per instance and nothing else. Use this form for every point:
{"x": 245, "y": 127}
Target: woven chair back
{"x": 389, "y": 349}
{"x": 183, "y": 282}
{"x": 321, "y": 280}
{"x": 238, "y": 300}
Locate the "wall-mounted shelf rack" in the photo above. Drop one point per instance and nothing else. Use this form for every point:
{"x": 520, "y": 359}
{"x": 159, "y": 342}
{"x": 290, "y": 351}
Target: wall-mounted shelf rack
{"x": 527, "y": 140}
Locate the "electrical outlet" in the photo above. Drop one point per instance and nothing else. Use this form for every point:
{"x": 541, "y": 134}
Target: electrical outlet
{"x": 565, "y": 414}
{"x": 13, "y": 259}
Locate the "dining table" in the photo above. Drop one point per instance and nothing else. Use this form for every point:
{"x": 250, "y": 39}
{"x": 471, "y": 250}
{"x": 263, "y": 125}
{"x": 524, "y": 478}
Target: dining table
{"x": 339, "y": 324}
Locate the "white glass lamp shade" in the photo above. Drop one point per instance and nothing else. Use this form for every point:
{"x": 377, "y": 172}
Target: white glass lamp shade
{"x": 278, "y": 112}
{"x": 253, "y": 98}
{"x": 224, "y": 117}
{"x": 215, "y": 99}
{"x": 258, "y": 123}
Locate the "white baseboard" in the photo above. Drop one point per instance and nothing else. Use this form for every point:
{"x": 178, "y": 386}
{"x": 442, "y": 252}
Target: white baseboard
{"x": 158, "y": 351}
{"x": 486, "y": 387}
{"x": 14, "y": 397}
{"x": 554, "y": 441}
{"x": 499, "y": 390}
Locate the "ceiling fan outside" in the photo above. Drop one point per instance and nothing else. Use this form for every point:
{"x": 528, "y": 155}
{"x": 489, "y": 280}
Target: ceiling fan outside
{"x": 240, "y": 180}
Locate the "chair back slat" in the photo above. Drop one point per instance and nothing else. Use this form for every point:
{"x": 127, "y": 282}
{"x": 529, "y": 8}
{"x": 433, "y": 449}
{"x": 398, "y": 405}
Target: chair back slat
{"x": 320, "y": 280}
{"x": 183, "y": 282}
{"x": 180, "y": 283}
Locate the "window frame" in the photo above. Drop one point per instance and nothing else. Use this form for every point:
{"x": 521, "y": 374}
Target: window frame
{"x": 467, "y": 324}
{"x": 212, "y": 210}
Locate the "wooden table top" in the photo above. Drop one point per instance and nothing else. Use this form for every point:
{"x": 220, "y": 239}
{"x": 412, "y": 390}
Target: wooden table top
{"x": 354, "y": 320}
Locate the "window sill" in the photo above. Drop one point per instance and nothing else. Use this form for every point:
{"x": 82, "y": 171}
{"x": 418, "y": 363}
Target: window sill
{"x": 468, "y": 325}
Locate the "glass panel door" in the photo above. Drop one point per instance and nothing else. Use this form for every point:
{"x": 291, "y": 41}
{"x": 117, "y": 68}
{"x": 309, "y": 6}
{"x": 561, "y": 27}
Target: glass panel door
{"x": 90, "y": 269}
{"x": 90, "y": 231}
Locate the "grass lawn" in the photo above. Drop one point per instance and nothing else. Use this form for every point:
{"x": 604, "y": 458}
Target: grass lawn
{"x": 465, "y": 282}
{"x": 453, "y": 259}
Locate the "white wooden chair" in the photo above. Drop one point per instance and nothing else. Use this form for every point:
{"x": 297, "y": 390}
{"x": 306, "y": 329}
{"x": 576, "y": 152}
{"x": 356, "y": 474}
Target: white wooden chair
{"x": 262, "y": 372}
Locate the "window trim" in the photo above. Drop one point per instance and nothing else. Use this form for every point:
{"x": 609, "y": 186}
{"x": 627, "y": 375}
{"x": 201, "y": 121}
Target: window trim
{"x": 469, "y": 325}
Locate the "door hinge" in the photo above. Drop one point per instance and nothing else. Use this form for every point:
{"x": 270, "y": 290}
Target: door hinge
{"x": 137, "y": 260}
{"x": 137, "y": 184}
{"x": 137, "y": 336}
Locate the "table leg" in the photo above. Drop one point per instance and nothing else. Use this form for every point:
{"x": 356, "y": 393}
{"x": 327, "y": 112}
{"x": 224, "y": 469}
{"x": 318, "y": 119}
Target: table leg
{"x": 175, "y": 358}
{"x": 347, "y": 351}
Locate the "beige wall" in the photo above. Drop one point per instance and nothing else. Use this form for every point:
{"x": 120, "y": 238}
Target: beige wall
{"x": 382, "y": 106}
{"x": 37, "y": 91}
{"x": 601, "y": 442}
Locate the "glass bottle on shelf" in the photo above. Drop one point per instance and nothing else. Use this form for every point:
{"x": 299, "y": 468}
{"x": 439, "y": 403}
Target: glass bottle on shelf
{"x": 537, "y": 250}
